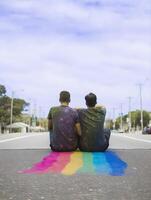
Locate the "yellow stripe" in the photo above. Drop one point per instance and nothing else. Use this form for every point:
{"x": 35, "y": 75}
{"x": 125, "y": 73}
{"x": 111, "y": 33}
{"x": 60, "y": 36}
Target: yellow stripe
{"x": 76, "y": 162}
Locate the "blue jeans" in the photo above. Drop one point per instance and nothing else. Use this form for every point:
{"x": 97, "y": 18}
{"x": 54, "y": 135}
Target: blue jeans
{"x": 107, "y": 134}
{"x": 102, "y": 145}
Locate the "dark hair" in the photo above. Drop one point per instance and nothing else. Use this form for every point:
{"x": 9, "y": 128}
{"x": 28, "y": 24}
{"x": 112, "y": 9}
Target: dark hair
{"x": 64, "y": 96}
{"x": 91, "y": 100}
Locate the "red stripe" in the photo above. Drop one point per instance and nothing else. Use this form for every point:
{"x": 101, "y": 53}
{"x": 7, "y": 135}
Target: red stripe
{"x": 62, "y": 160}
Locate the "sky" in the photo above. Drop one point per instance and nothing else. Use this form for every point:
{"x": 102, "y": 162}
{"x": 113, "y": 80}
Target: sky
{"x": 99, "y": 46}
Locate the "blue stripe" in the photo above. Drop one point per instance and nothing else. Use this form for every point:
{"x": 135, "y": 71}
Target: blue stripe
{"x": 117, "y": 165}
{"x": 101, "y": 166}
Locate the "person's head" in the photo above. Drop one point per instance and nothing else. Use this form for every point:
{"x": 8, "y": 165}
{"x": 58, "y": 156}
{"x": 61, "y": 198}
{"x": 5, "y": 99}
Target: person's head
{"x": 64, "y": 97}
{"x": 91, "y": 100}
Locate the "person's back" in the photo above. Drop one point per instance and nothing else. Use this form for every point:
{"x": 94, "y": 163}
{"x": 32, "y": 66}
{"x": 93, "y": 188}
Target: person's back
{"x": 93, "y": 137}
{"x": 62, "y": 125}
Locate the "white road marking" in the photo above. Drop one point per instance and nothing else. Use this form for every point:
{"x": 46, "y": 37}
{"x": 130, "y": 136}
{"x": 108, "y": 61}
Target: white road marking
{"x": 132, "y": 138}
{"x": 20, "y": 137}
{"x": 38, "y": 134}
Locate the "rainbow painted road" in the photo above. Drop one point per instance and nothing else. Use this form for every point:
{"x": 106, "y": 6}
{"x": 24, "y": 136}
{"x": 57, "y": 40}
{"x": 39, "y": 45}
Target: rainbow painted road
{"x": 70, "y": 163}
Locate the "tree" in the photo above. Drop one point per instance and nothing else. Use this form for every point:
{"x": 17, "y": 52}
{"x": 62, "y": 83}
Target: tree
{"x": 135, "y": 119}
{"x": 2, "y": 90}
{"x": 18, "y": 106}
{"x": 5, "y": 108}
{"x": 117, "y": 123}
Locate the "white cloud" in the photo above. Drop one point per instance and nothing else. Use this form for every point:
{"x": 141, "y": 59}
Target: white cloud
{"x": 81, "y": 46}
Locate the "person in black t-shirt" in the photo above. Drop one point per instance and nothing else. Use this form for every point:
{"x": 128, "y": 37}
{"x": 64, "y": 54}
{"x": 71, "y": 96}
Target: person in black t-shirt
{"x": 64, "y": 126}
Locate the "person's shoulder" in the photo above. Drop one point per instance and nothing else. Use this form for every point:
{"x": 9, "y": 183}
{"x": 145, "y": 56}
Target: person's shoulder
{"x": 79, "y": 110}
{"x": 83, "y": 111}
{"x": 54, "y": 108}
{"x": 100, "y": 108}
{"x": 72, "y": 109}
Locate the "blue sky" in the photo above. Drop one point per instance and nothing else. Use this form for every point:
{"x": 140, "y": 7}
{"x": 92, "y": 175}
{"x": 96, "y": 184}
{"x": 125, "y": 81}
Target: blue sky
{"x": 84, "y": 46}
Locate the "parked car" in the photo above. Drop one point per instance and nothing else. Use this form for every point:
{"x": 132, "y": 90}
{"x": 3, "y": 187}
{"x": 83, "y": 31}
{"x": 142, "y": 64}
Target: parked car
{"x": 121, "y": 131}
{"x": 147, "y": 130}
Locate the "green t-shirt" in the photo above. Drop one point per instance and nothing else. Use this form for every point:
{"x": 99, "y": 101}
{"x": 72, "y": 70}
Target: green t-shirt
{"x": 92, "y": 126}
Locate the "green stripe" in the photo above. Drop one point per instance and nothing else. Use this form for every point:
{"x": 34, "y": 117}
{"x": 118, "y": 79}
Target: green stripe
{"x": 87, "y": 164}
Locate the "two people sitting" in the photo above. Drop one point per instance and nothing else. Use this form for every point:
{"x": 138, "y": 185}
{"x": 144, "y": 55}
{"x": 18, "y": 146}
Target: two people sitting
{"x": 78, "y": 128}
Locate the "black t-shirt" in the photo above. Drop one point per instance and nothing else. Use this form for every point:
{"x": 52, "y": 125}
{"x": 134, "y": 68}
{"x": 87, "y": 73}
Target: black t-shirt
{"x": 64, "y": 137}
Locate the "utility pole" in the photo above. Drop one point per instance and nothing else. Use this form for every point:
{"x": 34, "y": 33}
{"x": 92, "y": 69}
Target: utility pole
{"x": 11, "y": 111}
{"x": 29, "y": 112}
{"x": 34, "y": 120}
{"x": 40, "y": 118}
{"x": 129, "y": 115}
{"x": 113, "y": 118}
{"x": 121, "y": 126}
{"x": 141, "y": 105}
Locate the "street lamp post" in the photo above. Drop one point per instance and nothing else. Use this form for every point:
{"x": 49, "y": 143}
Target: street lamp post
{"x": 29, "y": 112}
{"x": 129, "y": 114}
{"x": 11, "y": 111}
{"x": 121, "y": 117}
{"x": 114, "y": 119}
{"x": 141, "y": 106}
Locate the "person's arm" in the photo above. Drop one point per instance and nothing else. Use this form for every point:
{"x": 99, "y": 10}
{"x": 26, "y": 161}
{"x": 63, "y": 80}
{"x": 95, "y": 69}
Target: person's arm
{"x": 100, "y": 106}
{"x": 77, "y": 122}
{"x": 78, "y": 128}
{"x": 50, "y": 126}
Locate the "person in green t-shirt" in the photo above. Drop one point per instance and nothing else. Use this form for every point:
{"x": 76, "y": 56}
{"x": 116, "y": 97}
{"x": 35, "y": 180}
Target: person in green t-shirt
{"x": 93, "y": 135}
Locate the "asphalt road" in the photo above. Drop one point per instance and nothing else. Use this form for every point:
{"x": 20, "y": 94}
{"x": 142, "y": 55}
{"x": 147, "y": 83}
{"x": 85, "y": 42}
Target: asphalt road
{"x": 41, "y": 141}
{"x": 21, "y": 151}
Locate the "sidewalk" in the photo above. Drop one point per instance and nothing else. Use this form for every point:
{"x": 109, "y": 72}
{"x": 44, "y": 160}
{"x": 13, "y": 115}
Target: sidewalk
{"x": 4, "y": 136}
